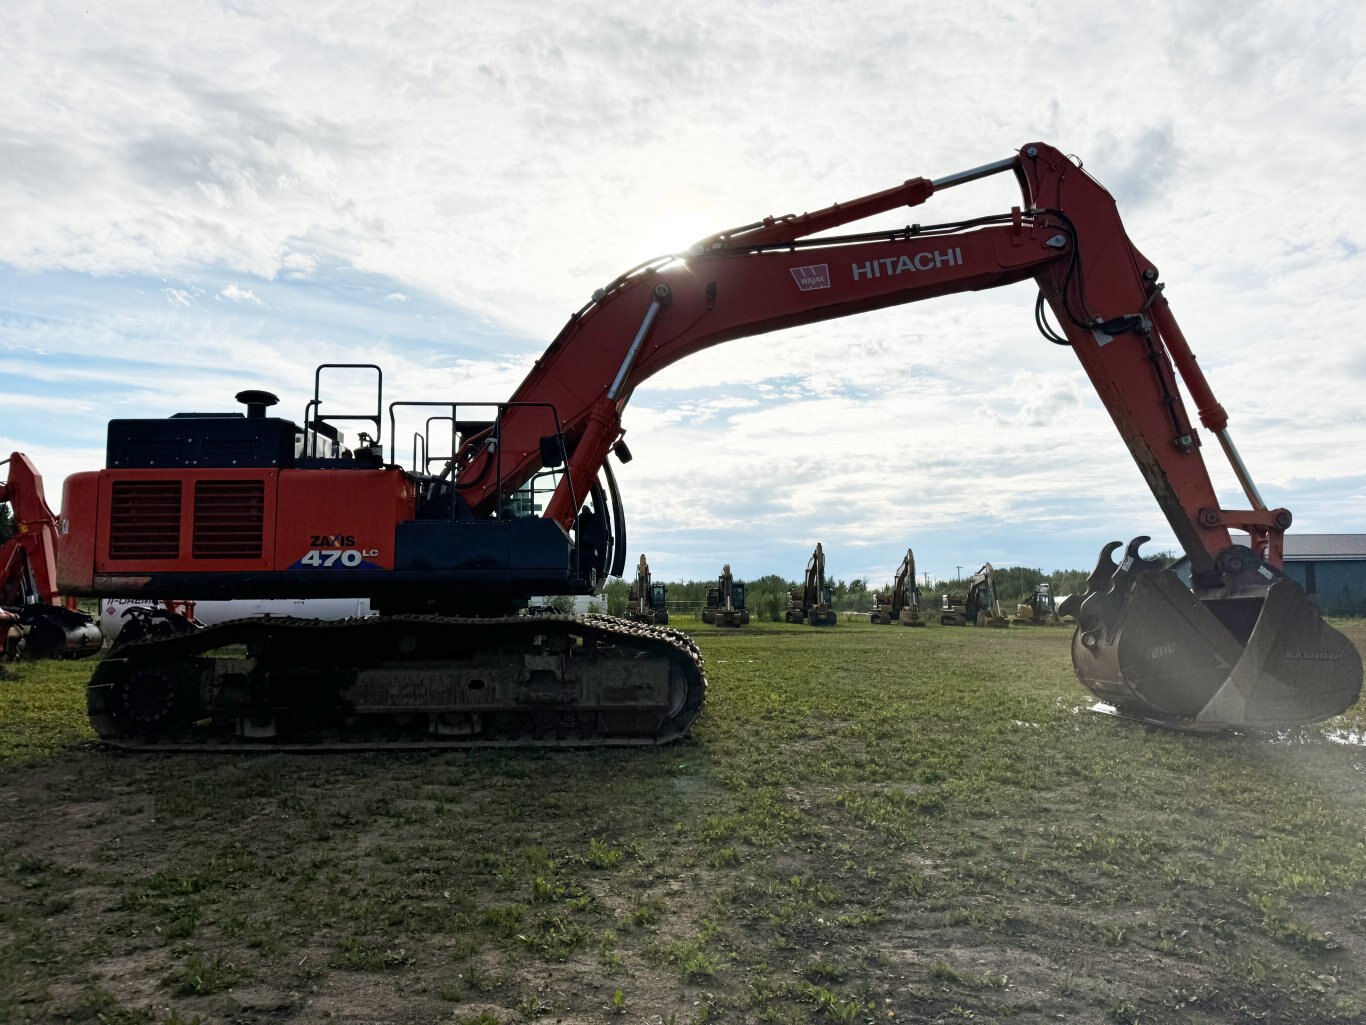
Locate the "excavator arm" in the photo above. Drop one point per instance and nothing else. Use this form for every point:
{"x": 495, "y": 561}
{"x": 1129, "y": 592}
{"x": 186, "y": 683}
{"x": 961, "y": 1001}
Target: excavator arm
{"x": 1245, "y": 647}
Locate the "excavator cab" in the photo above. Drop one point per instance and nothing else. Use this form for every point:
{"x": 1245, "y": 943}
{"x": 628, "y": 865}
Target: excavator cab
{"x": 659, "y": 601}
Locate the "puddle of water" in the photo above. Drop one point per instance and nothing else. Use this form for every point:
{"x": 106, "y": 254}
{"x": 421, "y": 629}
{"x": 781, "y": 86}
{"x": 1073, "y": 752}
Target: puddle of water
{"x": 1356, "y": 738}
{"x": 1186, "y": 726}
{"x": 1298, "y": 735}
{"x": 1308, "y": 735}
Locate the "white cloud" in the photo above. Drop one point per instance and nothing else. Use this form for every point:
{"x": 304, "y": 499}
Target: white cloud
{"x": 298, "y": 266}
{"x": 43, "y": 403}
{"x": 239, "y": 295}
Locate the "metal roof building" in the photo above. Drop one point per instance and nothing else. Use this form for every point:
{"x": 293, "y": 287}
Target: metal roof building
{"x": 1330, "y": 567}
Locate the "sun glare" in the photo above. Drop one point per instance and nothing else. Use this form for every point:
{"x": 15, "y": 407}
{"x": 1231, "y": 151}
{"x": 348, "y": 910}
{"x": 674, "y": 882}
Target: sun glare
{"x": 673, "y": 231}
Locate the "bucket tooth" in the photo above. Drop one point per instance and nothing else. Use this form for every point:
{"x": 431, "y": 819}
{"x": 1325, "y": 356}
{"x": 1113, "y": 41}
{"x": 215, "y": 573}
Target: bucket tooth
{"x": 1103, "y": 609}
{"x": 1099, "y": 580}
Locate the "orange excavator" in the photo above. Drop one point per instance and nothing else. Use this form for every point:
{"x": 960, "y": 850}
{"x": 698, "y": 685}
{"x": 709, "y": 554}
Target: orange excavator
{"x": 255, "y": 505}
{"x": 35, "y": 620}
{"x": 900, "y": 604}
{"x": 647, "y": 601}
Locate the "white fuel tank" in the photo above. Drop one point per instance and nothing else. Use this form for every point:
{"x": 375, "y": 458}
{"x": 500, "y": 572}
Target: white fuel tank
{"x": 212, "y": 612}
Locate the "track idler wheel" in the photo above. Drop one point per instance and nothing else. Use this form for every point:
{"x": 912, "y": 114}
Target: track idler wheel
{"x": 1257, "y": 656}
{"x": 125, "y": 700}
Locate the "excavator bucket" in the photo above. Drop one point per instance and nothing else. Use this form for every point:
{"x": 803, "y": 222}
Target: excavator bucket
{"x": 1261, "y": 657}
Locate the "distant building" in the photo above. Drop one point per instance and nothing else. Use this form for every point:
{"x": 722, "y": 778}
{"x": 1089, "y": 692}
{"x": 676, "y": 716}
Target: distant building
{"x": 1330, "y": 567}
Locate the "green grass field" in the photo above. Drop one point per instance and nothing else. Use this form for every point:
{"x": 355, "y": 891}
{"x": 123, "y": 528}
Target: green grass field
{"x": 868, "y": 824}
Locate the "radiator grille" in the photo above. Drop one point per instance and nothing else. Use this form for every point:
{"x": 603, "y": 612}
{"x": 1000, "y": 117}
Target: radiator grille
{"x": 229, "y": 519}
{"x": 144, "y": 520}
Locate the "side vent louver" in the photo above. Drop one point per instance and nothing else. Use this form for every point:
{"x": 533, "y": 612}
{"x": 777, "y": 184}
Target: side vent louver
{"x": 144, "y": 520}
{"x": 229, "y": 519}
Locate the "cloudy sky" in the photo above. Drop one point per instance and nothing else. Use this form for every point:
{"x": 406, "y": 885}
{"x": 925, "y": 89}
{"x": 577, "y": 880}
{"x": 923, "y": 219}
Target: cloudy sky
{"x": 201, "y": 198}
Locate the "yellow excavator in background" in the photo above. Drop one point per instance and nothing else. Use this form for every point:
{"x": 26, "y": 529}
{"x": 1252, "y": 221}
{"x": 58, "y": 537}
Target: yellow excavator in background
{"x": 900, "y": 604}
{"x": 812, "y": 602}
{"x": 978, "y": 607}
{"x": 726, "y": 602}
{"x": 646, "y": 602}
{"x": 1039, "y": 609}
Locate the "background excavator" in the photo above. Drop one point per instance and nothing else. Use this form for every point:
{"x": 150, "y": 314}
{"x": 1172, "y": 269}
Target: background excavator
{"x": 35, "y": 621}
{"x": 979, "y": 607}
{"x": 226, "y": 505}
{"x": 726, "y": 601}
{"x": 811, "y": 603}
{"x": 1039, "y": 609}
{"x": 647, "y": 601}
{"x": 900, "y": 604}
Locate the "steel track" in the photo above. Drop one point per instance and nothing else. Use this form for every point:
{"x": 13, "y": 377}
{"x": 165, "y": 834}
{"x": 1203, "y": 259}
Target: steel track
{"x": 292, "y": 643}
